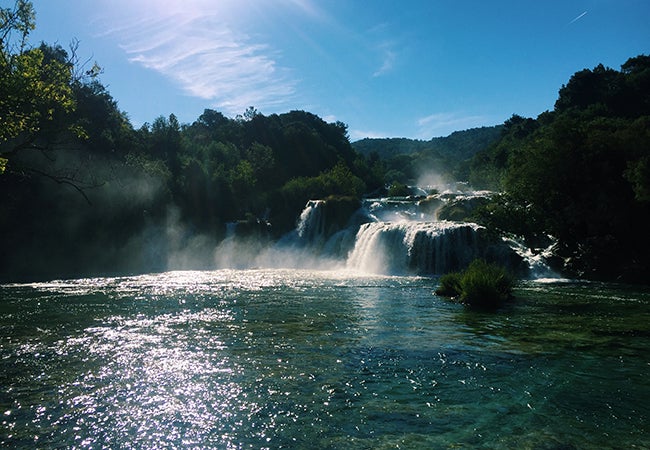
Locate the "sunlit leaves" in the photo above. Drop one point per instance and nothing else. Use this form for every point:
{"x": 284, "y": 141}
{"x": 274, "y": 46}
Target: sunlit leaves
{"x": 35, "y": 83}
{"x": 33, "y": 90}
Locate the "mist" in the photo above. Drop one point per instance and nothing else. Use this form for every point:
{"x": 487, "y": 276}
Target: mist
{"x": 440, "y": 182}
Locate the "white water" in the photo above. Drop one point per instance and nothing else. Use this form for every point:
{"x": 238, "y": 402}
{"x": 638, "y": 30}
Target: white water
{"x": 429, "y": 247}
{"x": 394, "y": 236}
{"x": 311, "y": 224}
{"x": 536, "y": 260}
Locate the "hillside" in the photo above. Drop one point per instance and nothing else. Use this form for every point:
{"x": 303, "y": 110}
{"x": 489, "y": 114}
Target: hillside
{"x": 405, "y": 160}
{"x": 460, "y": 144}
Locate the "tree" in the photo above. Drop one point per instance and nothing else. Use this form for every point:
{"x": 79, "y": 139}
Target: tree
{"x": 599, "y": 86}
{"x": 165, "y": 142}
{"x": 20, "y": 20}
{"x": 105, "y": 128}
{"x": 581, "y": 172}
{"x": 637, "y": 74}
{"x": 638, "y": 173}
{"x": 35, "y": 85}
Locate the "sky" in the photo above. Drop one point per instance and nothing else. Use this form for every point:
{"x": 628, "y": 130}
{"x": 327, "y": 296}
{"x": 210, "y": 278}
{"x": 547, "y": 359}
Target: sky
{"x": 409, "y": 68}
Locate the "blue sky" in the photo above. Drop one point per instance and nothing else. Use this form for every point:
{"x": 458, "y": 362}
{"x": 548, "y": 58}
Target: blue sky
{"x": 408, "y": 68}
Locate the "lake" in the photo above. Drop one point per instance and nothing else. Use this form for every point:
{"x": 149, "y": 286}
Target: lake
{"x": 272, "y": 359}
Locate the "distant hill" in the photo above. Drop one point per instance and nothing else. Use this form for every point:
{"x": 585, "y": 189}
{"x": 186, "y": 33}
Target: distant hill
{"x": 405, "y": 160}
{"x": 459, "y": 145}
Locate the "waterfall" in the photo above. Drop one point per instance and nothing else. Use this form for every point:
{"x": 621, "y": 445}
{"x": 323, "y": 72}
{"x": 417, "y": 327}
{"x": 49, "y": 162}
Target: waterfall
{"x": 536, "y": 261}
{"x": 311, "y": 224}
{"x": 414, "y": 247}
{"x": 403, "y": 236}
{"x": 328, "y": 227}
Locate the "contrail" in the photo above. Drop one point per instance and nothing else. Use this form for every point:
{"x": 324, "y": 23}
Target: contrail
{"x": 578, "y": 18}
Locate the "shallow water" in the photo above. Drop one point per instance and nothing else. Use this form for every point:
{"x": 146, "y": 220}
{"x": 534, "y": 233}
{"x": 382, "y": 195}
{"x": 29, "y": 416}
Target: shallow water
{"x": 301, "y": 359}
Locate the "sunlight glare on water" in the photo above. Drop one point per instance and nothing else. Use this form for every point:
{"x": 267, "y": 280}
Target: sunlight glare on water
{"x": 307, "y": 359}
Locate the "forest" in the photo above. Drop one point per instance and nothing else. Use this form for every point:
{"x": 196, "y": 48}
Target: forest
{"x": 412, "y": 161}
{"x": 84, "y": 192}
{"x": 580, "y": 173}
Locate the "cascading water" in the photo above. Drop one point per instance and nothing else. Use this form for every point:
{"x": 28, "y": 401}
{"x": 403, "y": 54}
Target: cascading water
{"x": 399, "y": 236}
{"x": 383, "y": 236}
{"x": 311, "y": 224}
{"x": 326, "y": 228}
{"x": 420, "y": 247}
{"x": 536, "y": 261}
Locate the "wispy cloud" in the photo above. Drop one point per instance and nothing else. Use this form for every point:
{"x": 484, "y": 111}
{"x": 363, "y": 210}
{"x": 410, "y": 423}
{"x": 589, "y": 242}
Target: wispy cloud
{"x": 443, "y": 124}
{"x": 388, "y": 63}
{"x": 382, "y": 42}
{"x": 578, "y": 18}
{"x": 199, "y": 51}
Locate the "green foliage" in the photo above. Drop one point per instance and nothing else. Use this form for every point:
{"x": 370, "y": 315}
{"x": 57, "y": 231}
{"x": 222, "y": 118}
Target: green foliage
{"x": 33, "y": 91}
{"x": 398, "y": 189}
{"x": 502, "y": 213}
{"x": 459, "y": 144}
{"x": 405, "y": 160}
{"x": 485, "y": 285}
{"x": 17, "y": 20}
{"x": 62, "y": 135}
{"x": 600, "y": 86}
{"x": 481, "y": 285}
{"x": 638, "y": 174}
{"x": 449, "y": 285}
{"x": 104, "y": 127}
{"x": 337, "y": 181}
{"x": 580, "y": 172}
{"x": 37, "y": 94}
{"x": 488, "y": 168}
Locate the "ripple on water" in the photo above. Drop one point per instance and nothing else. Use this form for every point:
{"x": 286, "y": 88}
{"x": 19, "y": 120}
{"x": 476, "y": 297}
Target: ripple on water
{"x": 277, "y": 359}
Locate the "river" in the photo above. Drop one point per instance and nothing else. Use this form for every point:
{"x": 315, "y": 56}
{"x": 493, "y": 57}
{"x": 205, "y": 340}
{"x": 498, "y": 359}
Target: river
{"x": 320, "y": 359}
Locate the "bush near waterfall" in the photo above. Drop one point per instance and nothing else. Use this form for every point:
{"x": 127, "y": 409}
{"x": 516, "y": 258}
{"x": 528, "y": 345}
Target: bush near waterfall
{"x": 481, "y": 285}
{"x": 450, "y": 285}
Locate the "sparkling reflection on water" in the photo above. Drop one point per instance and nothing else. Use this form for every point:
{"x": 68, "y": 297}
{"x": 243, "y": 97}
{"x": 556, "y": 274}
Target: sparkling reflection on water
{"x": 297, "y": 359}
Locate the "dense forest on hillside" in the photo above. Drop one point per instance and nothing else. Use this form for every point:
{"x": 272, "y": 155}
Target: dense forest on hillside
{"x": 580, "y": 173}
{"x": 84, "y": 192}
{"x": 411, "y": 160}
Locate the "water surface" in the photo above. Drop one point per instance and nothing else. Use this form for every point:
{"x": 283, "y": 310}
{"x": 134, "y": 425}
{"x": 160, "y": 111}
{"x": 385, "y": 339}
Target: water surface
{"x": 308, "y": 359}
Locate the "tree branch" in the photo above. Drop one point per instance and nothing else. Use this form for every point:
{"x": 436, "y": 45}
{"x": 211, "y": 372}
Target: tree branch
{"x": 70, "y": 181}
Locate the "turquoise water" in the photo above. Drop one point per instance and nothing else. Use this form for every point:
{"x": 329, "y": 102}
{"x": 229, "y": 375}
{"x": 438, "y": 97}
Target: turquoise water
{"x": 301, "y": 359}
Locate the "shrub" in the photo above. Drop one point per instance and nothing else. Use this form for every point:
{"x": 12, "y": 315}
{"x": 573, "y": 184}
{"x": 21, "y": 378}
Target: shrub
{"x": 398, "y": 189}
{"x": 450, "y": 285}
{"x": 481, "y": 285}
